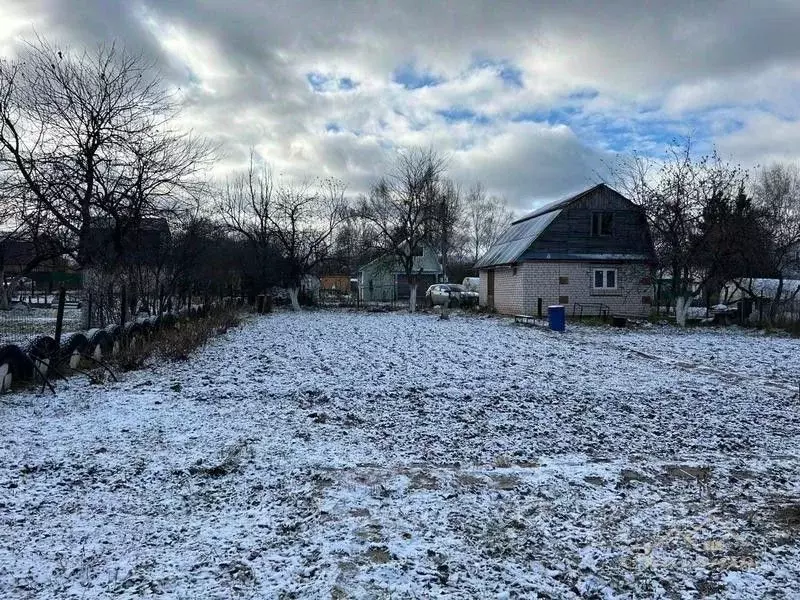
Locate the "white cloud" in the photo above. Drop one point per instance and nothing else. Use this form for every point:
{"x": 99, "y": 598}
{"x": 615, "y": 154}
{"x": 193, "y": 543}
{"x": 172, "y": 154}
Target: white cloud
{"x": 611, "y": 76}
{"x": 764, "y": 139}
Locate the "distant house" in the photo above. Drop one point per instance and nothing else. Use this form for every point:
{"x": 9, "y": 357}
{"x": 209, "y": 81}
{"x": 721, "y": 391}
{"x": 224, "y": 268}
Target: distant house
{"x": 592, "y": 249}
{"x": 144, "y": 244}
{"x": 384, "y": 279}
{"x": 335, "y": 284}
{"x": 17, "y": 256}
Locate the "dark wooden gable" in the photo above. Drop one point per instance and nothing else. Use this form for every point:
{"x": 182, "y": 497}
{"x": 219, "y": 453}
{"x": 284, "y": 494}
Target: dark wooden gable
{"x": 570, "y": 235}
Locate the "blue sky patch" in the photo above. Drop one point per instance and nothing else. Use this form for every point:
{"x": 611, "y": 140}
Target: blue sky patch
{"x": 584, "y": 95}
{"x": 509, "y": 73}
{"x": 320, "y": 82}
{"x": 460, "y": 114}
{"x": 410, "y": 78}
{"x": 317, "y": 81}
{"x": 562, "y": 115}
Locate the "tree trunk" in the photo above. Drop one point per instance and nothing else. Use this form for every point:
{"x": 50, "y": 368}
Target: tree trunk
{"x": 293, "y": 293}
{"x": 773, "y": 307}
{"x": 5, "y": 297}
{"x": 682, "y": 304}
{"x": 412, "y": 299}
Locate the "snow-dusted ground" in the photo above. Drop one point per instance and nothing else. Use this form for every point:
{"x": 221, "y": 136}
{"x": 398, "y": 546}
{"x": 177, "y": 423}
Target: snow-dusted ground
{"x": 337, "y": 455}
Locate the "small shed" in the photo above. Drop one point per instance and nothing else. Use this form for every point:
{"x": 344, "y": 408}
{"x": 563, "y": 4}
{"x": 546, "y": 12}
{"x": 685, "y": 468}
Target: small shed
{"x": 385, "y": 280}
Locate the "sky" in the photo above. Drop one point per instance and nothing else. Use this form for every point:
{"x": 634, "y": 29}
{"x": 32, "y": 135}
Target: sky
{"x": 533, "y": 99}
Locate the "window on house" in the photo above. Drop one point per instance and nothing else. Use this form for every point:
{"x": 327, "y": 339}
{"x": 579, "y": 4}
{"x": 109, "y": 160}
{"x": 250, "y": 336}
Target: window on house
{"x": 602, "y": 223}
{"x": 605, "y": 279}
{"x": 417, "y": 251}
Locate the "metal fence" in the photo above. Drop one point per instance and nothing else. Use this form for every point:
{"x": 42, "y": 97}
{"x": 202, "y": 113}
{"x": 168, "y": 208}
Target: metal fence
{"x": 31, "y": 314}
{"x": 384, "y": 297}
{"x": 34, "y": 314}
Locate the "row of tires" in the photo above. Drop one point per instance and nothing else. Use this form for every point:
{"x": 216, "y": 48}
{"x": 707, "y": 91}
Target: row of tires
{"x": 41, "y": 354}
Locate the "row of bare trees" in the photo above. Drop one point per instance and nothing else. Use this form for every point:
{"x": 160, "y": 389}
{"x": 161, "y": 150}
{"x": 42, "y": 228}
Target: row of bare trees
{"x": 713, "y": 223}
{"x": 95, "y": 171}
{"x": 89, "y": 150}
{"x": 312, "y": 227}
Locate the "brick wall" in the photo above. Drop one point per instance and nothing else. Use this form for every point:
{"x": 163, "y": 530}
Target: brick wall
{"x": 518, "y": 290}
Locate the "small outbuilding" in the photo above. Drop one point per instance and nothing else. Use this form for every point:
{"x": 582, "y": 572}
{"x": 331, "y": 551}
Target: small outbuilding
{"x": 384, "y": 279}
{"x": 591, "y": 252}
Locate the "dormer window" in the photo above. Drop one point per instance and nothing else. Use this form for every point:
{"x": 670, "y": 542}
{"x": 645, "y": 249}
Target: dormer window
{"x": 602, "y": 223}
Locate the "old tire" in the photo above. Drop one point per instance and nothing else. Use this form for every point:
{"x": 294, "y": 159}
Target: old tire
{"x": 72, "y": 347}
{"x": 41, "y": 350}
{"x": 14, "y": 364}
{"x": 101, "y": 344}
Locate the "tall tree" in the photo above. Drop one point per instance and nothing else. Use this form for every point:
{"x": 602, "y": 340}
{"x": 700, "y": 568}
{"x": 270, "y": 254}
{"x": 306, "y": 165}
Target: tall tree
{"x": 403, "y": 207}
{"x": 777, "y": 195}
{"x": 87, "y": 141}
{"x": 485, "y": 218}
{"x": 678, "y": 195}
{"x": 293, "y": 223}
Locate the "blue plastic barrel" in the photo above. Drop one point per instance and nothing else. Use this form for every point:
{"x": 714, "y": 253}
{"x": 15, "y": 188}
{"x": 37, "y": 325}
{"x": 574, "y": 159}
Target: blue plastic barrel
{"x": 557, "y": 317}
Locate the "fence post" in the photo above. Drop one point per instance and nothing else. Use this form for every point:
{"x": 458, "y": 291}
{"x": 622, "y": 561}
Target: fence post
{"x": 539, "y": 307}
{"x": 89, "y": 310}
{"x": 123, "y": 315}
{"x": 62, "y": 296}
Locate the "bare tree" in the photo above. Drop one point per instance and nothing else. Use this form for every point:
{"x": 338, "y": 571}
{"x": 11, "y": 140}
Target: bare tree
{"x": 403, "y": 207}
{"x": 86, "y": 139}
{"x": 777, "y": 195}
{"x": 446, "y": 229}
{"x": 485, "y": 218}
{"x": 305, "y": 218}
{"x": 677, "y": 195}
{"x": 296, "y": 222}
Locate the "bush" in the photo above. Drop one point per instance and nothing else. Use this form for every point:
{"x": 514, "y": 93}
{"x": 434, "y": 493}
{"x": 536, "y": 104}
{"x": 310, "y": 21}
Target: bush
{"x": 176, "y": 343}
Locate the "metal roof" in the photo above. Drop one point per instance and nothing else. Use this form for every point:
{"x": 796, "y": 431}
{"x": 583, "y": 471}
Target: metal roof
{"x": 516, "y": 239}
{"x": 512, "y": 244}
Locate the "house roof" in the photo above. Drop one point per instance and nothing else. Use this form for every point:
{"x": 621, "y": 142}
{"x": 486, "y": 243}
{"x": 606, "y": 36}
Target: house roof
{"x": 767, "y": 287}
{"x": 512, "y": 244}
{"x": 427, "y": 263}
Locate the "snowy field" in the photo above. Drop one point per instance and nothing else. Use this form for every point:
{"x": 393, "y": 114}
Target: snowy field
{"x": 343, "y": 455}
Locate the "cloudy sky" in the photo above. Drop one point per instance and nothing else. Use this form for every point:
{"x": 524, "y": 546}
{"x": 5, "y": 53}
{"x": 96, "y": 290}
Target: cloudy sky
{"x": 531, "y": 98}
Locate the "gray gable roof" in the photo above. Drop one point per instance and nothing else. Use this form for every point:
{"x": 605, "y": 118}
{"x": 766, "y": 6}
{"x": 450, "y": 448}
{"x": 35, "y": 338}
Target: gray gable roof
{"x": 513, "y": 243}
{"x": 427, "y": 263}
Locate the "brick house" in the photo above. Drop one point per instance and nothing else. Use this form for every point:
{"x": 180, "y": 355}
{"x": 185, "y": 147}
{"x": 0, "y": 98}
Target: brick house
{"x": 591, "y": 250}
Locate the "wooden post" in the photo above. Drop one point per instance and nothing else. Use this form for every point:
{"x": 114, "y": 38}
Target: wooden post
{"x": 124, "y": 311}
{"x": 60, "y": 314}
{"x": 89, "y": 310}
{"x": 658, "y": 297}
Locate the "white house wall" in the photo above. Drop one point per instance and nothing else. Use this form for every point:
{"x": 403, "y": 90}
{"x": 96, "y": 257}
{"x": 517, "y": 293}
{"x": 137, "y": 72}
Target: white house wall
{"x": 516, "y": 291}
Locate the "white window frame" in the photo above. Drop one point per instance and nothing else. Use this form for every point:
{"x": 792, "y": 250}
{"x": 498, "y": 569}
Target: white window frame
{"x": 605, "y": 285}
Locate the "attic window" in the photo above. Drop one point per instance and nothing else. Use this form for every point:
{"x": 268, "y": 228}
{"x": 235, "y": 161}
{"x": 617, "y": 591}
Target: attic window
{"x": 602, "y": 223}
{"x": 417, "y": 251}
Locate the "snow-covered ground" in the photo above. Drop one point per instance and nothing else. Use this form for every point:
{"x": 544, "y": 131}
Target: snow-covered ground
{"x": 339, "y": 455}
